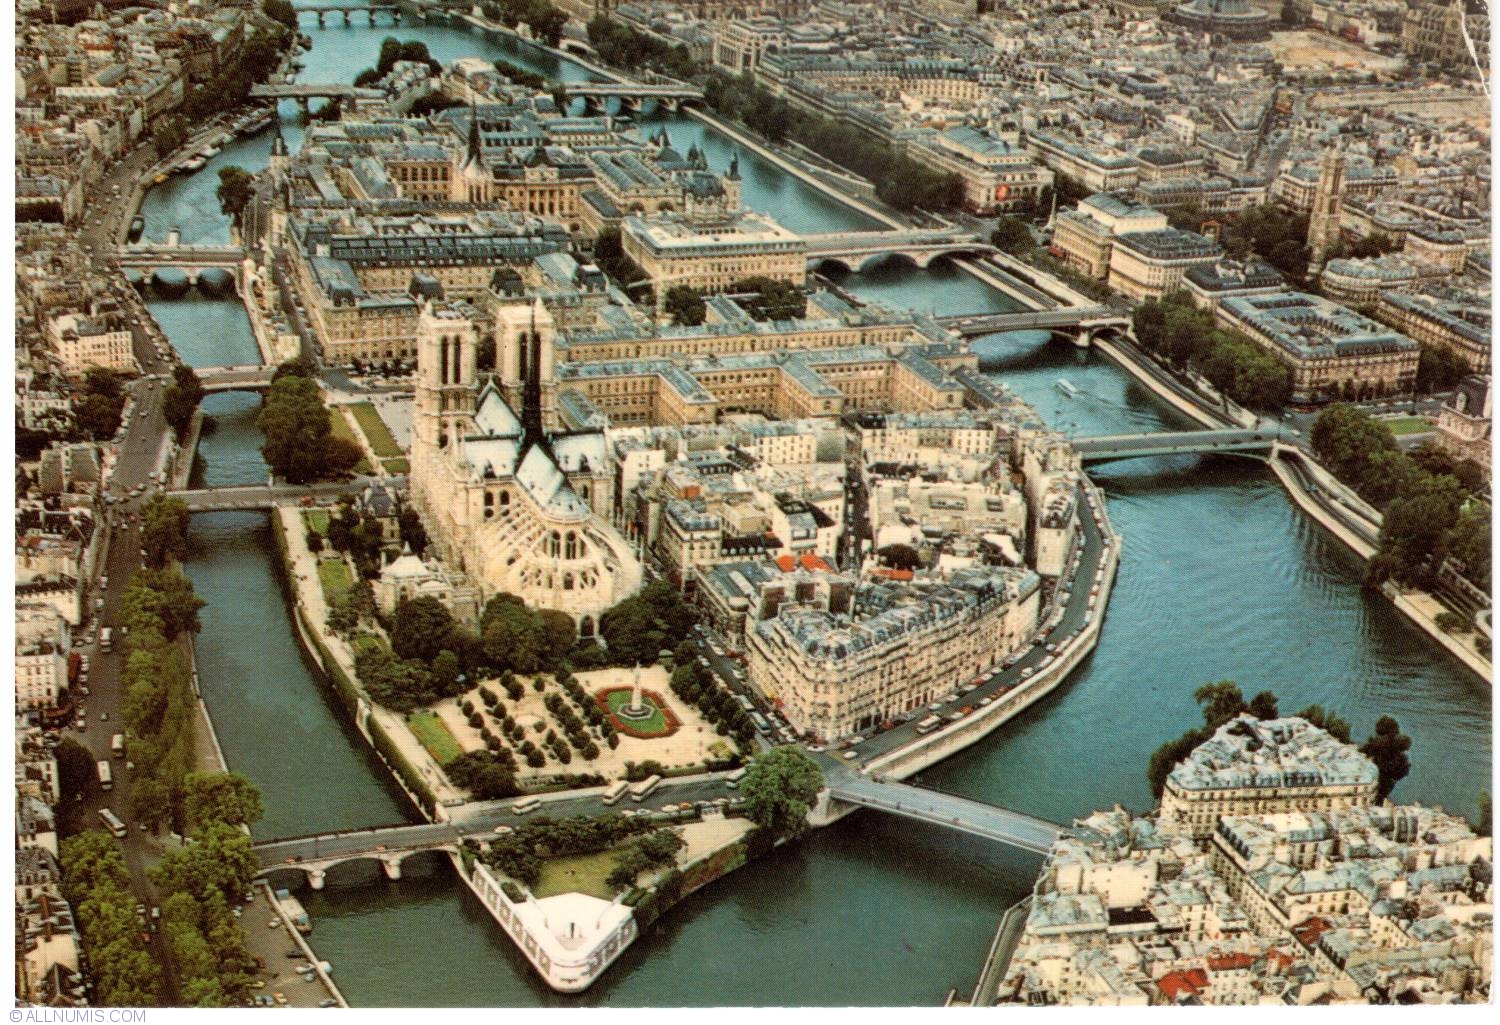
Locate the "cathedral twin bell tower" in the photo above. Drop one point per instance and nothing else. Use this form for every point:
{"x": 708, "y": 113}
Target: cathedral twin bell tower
{"x": 448, "y": 374}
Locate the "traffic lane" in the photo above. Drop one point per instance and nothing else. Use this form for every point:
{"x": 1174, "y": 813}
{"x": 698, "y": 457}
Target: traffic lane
{"x": 1072, "y": 617}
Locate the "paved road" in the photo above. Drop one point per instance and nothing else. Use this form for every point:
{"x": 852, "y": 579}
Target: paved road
{"x": 477, "y": 820}
{"x": 1090, "y": 554}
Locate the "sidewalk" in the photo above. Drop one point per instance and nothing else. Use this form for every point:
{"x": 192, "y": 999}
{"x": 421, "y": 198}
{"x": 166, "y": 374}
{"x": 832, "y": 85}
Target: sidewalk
{"x": 309, "y": 592}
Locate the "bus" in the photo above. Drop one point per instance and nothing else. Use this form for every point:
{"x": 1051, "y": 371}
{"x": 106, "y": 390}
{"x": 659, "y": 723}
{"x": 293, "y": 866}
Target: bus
{"x": 929, "y": 724}
{"x": 745, "y": 702}
{"x": 642, "y": 790}
{"x": 112, "y": 822}
{"x": 732, "y": 781}
{"x": 526, "y": 806}
{"x": 616, "y": 791}
{"x": 106, "y": 639}
{"x": 106, "y": 777}
{"x": 117, "y": 745}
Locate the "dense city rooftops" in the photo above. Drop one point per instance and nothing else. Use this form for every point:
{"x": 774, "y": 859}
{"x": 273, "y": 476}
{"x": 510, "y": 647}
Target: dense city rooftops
{"x": 1290, "y": 752}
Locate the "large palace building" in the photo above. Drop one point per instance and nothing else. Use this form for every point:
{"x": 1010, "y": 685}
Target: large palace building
{"x": 508, "y": 499}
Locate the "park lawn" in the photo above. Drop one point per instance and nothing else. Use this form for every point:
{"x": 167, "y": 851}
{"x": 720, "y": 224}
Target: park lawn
{"x": 375, "y": 429}
{"x": 654, "y": 723}
{"x": 364, "y": 642}
{"x": 1408, "y": 425}
{"x": 578, "y": 873}
{"x": 341, "y": 429}
{"x": 317, "y": 519}
{"x": 335, "y": 577}
{"x": 440, "y": 743}
{"x": 396, "y": 467}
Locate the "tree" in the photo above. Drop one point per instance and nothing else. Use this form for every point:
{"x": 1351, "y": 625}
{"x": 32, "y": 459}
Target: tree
{"x": 1221, "y": 702}
{"x": 181, "y": 397}
{"x": 1440, "y": 368}
{"x": 236, "y": 189}
{"x": 160, "y": 599}
{"x": 1263, "y": 706}
{"x": 1387, "y": 748}
{"x": 779, "y": 789}
{"x": 76, "y": 773}
{"x": 1469, "y": 543}
{"x": 299, "y": 440}
{"x": 219, "y": 860}
{"x": 282, "y": 12}
{"x": 164, "y": 530}
{"x": 511, "y": 635}
{"x": 1011, "y": 235}
{"x": 224, "y": 797}
{"x": 641, "y": 626}
{"x": 772, "y": 299}
{"x": 421, "y": 628}
{"x": 1416, "y": 525}
{"x": 1328, "y": 721}
{"x": 684, "y": 304}
{"x": 556, "y": 634}
{"x": 1165, "y": 758}
{"x": 150, "y": 802}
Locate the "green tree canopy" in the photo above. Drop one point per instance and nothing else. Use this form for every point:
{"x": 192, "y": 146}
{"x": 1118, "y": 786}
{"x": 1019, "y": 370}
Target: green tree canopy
{"x": 684, "y": 304}
{"x": 299, "y": 441}
{"x": 780, "y": 788}
{"x": 1387, "y": 748}
{"x": 223, "y": 797}
{"x": 421, "y": 628}
{"x": 164, "y": 530}
{"x": 236, "y": 189}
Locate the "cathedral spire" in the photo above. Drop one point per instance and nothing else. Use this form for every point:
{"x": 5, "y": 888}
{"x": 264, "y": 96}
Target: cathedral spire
{"x": 474, "y": 144}
{"x": 532, "y": 432}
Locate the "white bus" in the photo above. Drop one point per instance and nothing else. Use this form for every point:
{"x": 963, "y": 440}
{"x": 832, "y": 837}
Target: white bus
{"x": 106, "y": 639}
{"x": 117, "y": 745}
{"x": 616, "y": 791}
{"x": 642, "y": 790}
{"x": 526, "y": 806}
{"x": 929, "y": 724}
{"x": 106, "y": 777}
{"x": 732, "y": 781}
{"x": 112, "y": 822}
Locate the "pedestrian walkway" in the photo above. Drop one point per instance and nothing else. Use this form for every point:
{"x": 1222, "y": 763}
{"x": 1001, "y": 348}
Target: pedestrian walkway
{"x": 309, "y": 592}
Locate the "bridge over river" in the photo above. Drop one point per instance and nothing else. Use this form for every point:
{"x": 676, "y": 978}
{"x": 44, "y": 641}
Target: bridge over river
{"x": 247, "y": 497}
{"x": 1173, "y": 443}
{"x": 390, "y": 845}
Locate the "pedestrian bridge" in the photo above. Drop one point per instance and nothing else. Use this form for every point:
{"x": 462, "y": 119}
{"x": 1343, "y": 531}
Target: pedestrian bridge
{"x": 973, "y": 817}
{"x": 859, "y": 250}
{"x": 250, "y": 497}
{"x": 1136, "y": 446}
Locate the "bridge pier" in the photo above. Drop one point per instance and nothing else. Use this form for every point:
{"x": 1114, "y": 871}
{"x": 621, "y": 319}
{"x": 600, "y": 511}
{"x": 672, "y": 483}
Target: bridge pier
{"x": 321, "y": 23}
{"x": 349, "y": 21}
{"x": 317, "y": 878}
{"x": 192, "y": 274}
{"x": 392, "y": 868}
{"x": 174, "y": 237}
{"x": 1084, "y": 339}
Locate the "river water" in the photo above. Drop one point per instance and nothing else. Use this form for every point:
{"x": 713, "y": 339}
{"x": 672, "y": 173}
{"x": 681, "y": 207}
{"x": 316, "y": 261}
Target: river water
{"x": 1221, "y": 579}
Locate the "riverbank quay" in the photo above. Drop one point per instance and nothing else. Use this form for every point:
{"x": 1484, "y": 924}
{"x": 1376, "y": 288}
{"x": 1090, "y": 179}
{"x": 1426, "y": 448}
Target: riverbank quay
{"x": 571, "y": 939}
{"x": 1420, "y": 607}
{"x": 997, "y": 961}
{"x": 1101, "y": 543}
{"x": 410, "y": 765}
{"x": 275, "y": 945}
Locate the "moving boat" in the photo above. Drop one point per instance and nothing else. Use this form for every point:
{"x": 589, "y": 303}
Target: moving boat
{"x": 1066, "y": 387}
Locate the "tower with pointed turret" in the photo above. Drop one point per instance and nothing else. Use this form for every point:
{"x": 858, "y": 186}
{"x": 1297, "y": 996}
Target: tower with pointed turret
{"x": 1328, "y": 201}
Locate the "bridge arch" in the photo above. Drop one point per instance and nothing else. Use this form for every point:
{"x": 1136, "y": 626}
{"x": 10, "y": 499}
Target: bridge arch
{"x": 870, "y": 262}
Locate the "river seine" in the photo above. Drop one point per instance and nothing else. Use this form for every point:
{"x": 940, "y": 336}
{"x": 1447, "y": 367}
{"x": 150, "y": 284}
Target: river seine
{"x": 1222, "y": 579}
